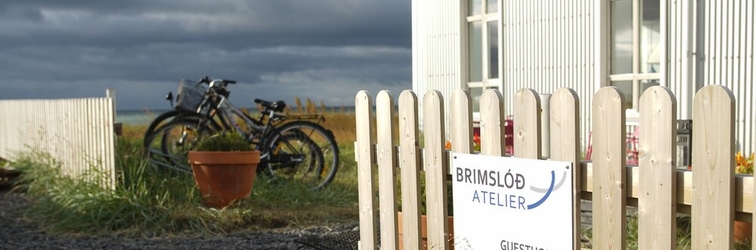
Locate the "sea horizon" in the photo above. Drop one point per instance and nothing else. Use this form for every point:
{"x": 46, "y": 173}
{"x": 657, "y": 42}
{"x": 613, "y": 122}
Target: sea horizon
{"x": 145, "y": 116}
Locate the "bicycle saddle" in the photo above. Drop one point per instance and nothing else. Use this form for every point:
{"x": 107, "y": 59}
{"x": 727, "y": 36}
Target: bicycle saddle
{"x": 277, "y": 106}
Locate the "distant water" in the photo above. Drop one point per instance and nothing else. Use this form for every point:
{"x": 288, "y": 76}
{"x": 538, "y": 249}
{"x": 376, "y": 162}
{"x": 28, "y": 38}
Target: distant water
{"x": 144, "y": 117}
{"x": 137, "y": 117}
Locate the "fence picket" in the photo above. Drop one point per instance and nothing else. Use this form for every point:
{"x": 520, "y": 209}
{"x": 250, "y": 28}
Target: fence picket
{"x": 435, "y": 162}
{"x": 461, "y": 122}
{"x": 609, "y": 169}
{"x": 363, "y": 108}
{"x": 713, "y": 160}
{"x": 77, "y": 133}
{"x": 712, "y": 195}
{"x": 384, "y": 113}
{"x": 410, "y": 168}
{"x": 492, "y": 123}
{"x": 527, "y": 131}
{"x": 564, "y": 125}
{"x": 657, "y": 225}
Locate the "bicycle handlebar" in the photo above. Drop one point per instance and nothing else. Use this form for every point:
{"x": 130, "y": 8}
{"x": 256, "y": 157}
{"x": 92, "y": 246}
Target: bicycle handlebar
{"x": 207, "y": 80}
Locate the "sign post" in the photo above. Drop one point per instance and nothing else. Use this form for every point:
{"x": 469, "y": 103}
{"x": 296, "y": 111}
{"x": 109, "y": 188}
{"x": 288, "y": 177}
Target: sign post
{"x": 511, "y": 203}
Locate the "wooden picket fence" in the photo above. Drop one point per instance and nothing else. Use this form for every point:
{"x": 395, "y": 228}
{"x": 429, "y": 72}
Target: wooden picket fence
{"x": 78, "y": 133}
{"x": 711, "y": 193}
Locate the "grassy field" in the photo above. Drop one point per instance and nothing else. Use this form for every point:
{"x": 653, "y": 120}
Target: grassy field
{"x": 149, "y": 201}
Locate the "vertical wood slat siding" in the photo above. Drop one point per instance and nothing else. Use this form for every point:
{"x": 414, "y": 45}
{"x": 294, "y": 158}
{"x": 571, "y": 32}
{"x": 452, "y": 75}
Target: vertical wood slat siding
{"x": 548, "y": 45}
{"x": 78, "y": 133}
{"x": 713, "y": 206}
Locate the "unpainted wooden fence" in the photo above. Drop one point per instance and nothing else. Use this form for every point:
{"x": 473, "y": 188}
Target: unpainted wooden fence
{"x": 711, "y": 192}
{"x": 77, "y": 133}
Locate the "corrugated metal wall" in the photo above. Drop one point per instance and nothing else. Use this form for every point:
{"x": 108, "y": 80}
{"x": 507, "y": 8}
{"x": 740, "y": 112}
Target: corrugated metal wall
{"x": 727, "y": 58}
{"x": 436, "y": 44}
{"x": 720, "y": 34}
{"x": 549, "y": 45}
{"x": 680, "y": 77}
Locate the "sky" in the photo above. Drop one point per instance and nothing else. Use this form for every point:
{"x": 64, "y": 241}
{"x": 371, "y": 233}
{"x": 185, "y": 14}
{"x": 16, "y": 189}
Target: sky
{"x": 322, "y": 50}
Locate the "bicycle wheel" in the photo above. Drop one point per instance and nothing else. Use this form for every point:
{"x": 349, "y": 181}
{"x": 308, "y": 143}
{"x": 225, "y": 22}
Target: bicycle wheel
{"x": 169, "y": 144}
{"x": 160, "y": 120}
{"x": 302, "y": 151}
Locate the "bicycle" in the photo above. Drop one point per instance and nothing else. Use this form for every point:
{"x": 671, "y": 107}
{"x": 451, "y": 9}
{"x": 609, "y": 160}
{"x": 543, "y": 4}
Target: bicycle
{"x": 291, "y": 146}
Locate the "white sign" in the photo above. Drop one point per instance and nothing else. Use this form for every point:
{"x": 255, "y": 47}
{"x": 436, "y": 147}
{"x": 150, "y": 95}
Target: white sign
{"x": 511, "y": 203}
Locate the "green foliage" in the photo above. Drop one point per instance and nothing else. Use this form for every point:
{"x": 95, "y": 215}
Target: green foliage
{"x": 152, "y": 202}
{"x": 423, "y": 194}
{"x": 224, "y": 141}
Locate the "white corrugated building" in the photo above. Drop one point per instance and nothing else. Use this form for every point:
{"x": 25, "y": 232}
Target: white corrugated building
{"x": 587, "y": 44}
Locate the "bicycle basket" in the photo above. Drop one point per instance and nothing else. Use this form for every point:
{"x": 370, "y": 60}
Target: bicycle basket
{"x": 190, "y": 95}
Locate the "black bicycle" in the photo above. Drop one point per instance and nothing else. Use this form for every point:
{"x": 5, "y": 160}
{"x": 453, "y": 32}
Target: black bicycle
{"x": 295, "y": 147}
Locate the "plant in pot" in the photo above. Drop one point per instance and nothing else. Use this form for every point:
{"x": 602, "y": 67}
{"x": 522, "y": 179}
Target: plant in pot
{"x": 224, "y": 167}
{"x": 423, "y": 217}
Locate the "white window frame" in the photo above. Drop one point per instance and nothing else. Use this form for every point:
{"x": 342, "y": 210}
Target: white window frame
{"x": 486, "y": 82}
{"x": 636, "y": 77}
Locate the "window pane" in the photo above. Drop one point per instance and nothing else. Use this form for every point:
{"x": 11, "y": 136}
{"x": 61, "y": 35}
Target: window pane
{"x": 627, "y": 90}
{"x": 649, "y": 37}
{"x": 493, "y": 50}
{"x": 493, "y": 6}
{"x": 475, "y": 93}
{"x": 474, "y": 7}
{"x": 475, "y": 52}
{"x": 622, "y": 37}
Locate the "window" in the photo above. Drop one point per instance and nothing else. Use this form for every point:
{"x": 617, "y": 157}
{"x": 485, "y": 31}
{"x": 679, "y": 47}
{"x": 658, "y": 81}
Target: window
{"x": 635, "y": 32}
{"x": 483, "y": 47}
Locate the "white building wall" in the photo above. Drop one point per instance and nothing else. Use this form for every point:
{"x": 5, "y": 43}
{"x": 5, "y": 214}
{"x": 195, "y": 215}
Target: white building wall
{"x": 712, "y": 42}
{"x": 549, "y": 45}
{"x": 436, "y": 48}
{"x": 727, "y": 58}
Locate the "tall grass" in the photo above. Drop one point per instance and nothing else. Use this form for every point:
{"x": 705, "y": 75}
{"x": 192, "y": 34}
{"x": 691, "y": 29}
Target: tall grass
{"x": 149, "y": 201}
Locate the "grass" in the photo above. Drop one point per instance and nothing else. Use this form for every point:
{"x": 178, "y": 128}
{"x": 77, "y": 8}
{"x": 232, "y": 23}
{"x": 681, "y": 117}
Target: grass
{"x": 152, "y": 202}
{"x": 683, "y": 234}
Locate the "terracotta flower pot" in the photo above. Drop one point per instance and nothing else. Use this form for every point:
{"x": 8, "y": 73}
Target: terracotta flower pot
{"x": 424, "y": 230}
{"x": 742, "y": 231}
{"x": 224, "y": 177}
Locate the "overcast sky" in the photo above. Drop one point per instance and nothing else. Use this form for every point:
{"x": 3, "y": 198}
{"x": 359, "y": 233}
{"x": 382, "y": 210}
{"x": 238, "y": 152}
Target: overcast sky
{"x": 324, "y": 50}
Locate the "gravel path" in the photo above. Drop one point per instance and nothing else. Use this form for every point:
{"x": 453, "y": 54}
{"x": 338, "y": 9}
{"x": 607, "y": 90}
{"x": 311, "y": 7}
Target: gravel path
{"x": 18, "y": 232}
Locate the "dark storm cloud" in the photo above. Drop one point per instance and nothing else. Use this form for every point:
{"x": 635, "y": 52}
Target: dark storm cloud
{"x": 319, "y": 49}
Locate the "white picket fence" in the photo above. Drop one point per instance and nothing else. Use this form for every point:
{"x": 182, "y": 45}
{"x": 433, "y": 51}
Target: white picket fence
{"x": 711, "y": 193}
{"x": 78, "y": 133}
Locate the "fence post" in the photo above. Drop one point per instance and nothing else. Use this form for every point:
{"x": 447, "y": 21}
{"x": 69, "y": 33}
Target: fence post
{"x": 364, "y": 149}
{"x": 713, "y": 159}
{"x": 564, "y": 125}
{"x": 436, "y": 169}
{"x": 527, "y": 116}
{"x": 609, "y": 173}
{"x": 461, "y": 121}
{"x": 657, "y": 225}
{"x": 492, "y": 123}
{"x": 410, "y": 168}
{"x": 386, "y": 169}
